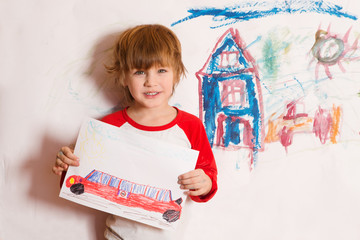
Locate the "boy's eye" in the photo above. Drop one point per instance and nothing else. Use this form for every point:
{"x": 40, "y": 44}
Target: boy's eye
{"x": 162, "y": 70}
{"x": 139, "y": 72}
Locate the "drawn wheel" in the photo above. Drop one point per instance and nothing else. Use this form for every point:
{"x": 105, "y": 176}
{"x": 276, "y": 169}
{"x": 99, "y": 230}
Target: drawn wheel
{"x": 77, "y": 188}
{"x": 171, "y": 215}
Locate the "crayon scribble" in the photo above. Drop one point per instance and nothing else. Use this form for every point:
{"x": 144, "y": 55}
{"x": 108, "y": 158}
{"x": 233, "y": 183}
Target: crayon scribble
{"x": 256, "y": 9}
{"x": 329, "y": 49}
{"x": 276, "y": 45}
{"x": 325, "y": 124}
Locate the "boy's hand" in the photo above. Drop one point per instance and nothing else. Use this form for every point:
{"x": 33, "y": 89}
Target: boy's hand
{"x": 65, "y": 158}
{"x": 196, "y": 181}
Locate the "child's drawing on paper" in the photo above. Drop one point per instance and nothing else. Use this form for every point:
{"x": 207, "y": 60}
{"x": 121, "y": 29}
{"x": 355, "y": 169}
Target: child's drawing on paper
{"x": 127, "y": 193}
{"x": 127, "y": 176}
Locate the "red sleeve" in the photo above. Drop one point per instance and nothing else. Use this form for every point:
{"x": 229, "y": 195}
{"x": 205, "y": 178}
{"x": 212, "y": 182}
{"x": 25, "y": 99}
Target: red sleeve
{"x": 195, "y": 131}
{"x": 116, "y": 119}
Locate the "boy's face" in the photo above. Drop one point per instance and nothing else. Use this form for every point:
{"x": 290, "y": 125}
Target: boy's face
{"x": 151, "y": 88}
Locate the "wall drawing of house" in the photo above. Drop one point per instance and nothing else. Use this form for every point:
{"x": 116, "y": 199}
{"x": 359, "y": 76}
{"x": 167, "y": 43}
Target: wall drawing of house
{"x": 230, "y": 96}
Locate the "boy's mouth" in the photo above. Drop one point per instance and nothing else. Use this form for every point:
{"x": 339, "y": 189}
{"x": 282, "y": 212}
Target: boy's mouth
{"x": 151, "y": 93}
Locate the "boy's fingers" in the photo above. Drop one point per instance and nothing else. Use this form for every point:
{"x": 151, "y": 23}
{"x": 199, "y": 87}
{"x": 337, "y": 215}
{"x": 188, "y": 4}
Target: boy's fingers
{"x": 67, "y": 152}
{"x": 191, "y": 174}
{"x": 197, "y": 192}
{"x": 64, "y": 162}
{"x": 65, "y": 157}
{"x": 194, "y": 182}
{"x": 60, "y": 164}
{"x": 57, "y": 170}
{"x": 54, "y": 169}
{"x": 190, "y": 186}
{"x": 190, "y": 181}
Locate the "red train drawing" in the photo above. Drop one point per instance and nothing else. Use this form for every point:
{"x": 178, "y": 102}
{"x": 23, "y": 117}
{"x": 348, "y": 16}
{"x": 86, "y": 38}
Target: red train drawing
{"x": 127, "y": 193}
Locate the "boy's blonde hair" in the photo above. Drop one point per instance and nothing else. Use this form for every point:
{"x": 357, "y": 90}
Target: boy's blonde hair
{"x": 143, "y": 47}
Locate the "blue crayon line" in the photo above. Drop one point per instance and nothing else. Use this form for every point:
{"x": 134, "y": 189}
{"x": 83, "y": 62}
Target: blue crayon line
{"x": 265, "y": 9}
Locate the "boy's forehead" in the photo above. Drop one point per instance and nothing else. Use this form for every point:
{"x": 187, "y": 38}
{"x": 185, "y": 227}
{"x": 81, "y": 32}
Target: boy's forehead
{"x": 152, "y": 65}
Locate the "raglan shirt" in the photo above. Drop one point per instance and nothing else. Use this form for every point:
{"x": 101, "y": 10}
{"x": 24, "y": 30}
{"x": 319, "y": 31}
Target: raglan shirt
{"x": 185, "y": 130}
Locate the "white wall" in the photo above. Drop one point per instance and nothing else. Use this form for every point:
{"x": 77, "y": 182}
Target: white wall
{"x": 51, "y": 76}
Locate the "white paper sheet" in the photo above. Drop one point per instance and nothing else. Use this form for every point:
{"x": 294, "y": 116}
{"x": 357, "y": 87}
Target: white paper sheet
{"x": 128, "y": 175}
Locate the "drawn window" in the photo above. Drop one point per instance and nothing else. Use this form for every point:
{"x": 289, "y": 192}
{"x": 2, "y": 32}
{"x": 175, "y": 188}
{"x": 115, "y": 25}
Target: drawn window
{"x": 164, "y": 195}
{"x": 167, "y": 197}
{"x": 95, "y": 177}
{"x": 125, "y": 185}
{"x": 138, "y": 189}
{"x": 229, "y": 59}
{"x": 151, "y": 192}
{"x": 233, "y": 93}
{"x": 114, "y": 182}
{"x": 105, "y": 179}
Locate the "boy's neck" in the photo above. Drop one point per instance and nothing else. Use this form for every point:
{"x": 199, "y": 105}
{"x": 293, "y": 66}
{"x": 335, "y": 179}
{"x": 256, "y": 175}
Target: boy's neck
{"x": 152, "y": 116}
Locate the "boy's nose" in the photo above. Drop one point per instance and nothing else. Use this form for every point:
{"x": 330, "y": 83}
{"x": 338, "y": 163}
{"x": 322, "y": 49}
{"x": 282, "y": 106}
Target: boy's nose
{"x": 150, "y": 80}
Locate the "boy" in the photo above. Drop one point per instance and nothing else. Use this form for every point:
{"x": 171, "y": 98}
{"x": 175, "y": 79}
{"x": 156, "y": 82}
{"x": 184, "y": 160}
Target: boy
{"x": 147, "y": 66}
